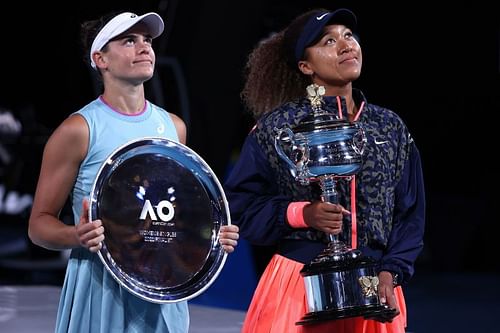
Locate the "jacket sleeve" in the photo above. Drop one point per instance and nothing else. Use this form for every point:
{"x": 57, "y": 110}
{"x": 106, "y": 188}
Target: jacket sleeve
{"x": 254, "y": 200}
{"x": 406, "y": 239}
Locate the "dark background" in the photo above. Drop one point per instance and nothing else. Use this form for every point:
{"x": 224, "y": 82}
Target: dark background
{"x": 438, "y": 68}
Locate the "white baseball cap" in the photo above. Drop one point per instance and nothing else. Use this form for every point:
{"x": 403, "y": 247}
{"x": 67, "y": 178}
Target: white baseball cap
{"x": 121, "y": 23}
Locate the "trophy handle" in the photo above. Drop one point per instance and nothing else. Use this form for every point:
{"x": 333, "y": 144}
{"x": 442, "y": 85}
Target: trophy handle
{"x": 299, "y": 154}
{"x": 285, "y": 135}
{"x": 359, "y": 141}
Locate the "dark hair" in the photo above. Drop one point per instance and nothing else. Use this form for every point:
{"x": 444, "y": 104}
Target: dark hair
{"x": 271, "y": 73}
{"x": 89, "y": 30}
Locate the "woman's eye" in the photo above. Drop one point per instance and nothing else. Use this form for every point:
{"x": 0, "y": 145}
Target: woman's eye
{"x": 330, "y": 41}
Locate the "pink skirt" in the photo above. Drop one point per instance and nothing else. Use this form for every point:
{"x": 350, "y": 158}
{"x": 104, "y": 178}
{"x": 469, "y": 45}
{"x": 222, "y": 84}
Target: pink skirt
{"x": 279, "y": 302}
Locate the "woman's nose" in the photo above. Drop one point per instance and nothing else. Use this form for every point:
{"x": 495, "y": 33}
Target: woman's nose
{"x": 144, "y": 46}
{"x": 345, "y": 47}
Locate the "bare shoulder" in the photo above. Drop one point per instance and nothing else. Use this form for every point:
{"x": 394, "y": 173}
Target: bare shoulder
{"x": 180, "y": 127}
{"x": 176, "y": 119}
{"x": 71, "y": 135}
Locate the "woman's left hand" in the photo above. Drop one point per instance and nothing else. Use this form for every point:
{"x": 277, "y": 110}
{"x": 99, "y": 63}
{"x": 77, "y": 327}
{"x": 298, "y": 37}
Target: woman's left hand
{"x": 386, "y": 292}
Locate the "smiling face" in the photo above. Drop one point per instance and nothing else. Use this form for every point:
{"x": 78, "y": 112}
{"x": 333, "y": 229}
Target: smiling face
{"x": 335, "y": 59}
{"x": 129, "y": 56}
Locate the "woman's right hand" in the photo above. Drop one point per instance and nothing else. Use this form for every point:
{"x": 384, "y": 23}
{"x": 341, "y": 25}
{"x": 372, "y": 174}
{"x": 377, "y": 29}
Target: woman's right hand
{"x": 324, "y": 216}
{"x": 90, "y": 234}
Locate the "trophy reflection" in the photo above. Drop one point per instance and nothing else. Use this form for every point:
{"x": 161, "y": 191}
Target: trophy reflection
{"x": 340, "y": 282}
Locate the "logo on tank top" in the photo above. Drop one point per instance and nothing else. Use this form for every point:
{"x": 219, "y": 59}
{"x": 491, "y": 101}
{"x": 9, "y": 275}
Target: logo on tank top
{"x": 161, "y": 128}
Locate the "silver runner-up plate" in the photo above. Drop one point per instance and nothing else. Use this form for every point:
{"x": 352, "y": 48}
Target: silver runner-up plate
{"x": 162, "y": 208}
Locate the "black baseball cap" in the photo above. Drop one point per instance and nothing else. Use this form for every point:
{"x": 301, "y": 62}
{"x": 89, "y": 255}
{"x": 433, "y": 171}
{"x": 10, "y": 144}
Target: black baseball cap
{"x": 314, "y": 26}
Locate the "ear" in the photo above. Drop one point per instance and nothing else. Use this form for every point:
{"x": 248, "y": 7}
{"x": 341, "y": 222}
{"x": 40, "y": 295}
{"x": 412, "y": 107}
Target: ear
{"x": 305, "y": 68}
{"x": 99, "y": 60}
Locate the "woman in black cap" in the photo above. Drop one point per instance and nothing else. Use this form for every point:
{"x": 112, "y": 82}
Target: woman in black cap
{"x": 385, "y": 202}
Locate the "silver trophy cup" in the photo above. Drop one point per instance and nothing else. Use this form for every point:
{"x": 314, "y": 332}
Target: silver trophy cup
{"x": 340, "y": 282}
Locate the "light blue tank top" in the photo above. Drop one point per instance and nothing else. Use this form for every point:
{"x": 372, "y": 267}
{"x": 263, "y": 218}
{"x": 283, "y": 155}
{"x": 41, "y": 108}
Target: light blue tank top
{"x": 91, "y": 300}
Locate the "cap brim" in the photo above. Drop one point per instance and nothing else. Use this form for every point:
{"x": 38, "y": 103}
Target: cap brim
{"x": 340, "y": 16}
{"x": 343, "y": 16}
{"x": 154, "y": 23}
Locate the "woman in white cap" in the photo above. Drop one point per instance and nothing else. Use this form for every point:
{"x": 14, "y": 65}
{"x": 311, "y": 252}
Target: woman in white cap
{"x": 120, "y": 50}
{"x": 272, "y": 208}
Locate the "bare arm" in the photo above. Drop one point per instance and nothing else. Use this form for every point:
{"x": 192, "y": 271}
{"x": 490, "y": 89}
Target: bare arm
{"x": 63, "y": 153}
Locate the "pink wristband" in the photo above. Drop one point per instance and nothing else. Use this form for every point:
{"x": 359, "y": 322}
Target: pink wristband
{"x": 294, "y": 214}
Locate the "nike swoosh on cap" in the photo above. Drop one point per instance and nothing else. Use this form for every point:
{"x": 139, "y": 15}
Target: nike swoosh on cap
{"x": 319, "y": 18}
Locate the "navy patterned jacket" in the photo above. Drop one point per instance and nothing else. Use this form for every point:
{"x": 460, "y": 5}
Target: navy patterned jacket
{"x": 390, "y": 198}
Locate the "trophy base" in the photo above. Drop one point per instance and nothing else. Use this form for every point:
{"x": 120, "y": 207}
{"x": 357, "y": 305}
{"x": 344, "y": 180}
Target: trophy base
{"x": 342, "y": 283}
{"x": 377, "y": 312}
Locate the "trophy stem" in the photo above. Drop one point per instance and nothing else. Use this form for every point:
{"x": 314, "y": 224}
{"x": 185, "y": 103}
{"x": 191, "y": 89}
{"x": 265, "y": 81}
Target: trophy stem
{"x": 336, "y": 249}
{"x": 329, "y": 194}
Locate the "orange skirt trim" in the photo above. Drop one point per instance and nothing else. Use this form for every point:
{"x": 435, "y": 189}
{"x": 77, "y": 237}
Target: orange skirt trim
{"x": 279, "y": 301}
